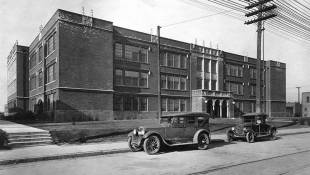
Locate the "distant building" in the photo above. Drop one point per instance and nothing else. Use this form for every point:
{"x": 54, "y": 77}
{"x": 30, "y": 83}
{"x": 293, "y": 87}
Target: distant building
{"x": 17, "y": 79}
{"x": 82, "y": 67}
{"x": 293, "y": 109}
{"x": 305, "y": 104}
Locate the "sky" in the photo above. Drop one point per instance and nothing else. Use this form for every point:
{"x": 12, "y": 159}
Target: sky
{"x": 21, "y": 20}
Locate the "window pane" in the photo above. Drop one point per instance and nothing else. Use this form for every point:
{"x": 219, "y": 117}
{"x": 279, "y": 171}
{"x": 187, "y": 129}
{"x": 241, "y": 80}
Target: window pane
{"x": 207, "y": 62}
{"x": 163, "y": 81}
{"x": 40, "y": 54}
{"x": 206, "y": 83}
{"x": 170, "y": 82}
{"x": 177, "y": 61}
{"x": 199, "y": 83}
{"x": 118, "y": 77}
{"x": 183, "y": 84}
{"x": 170, "y": 105}
{"x": 213, "y": 85}
{"x": 176, "y": 83}
{"x": 143, "y": 104}
{"x": 135, "y": 103}
{"x": 143, "y": 55}
{"x": 118, "y": 103}
{"x": 127, "y": 103}
{"x": 213, "y": 67}
{"x": 182, "y": 105}
{"x": 169, "y": 60}
{"x": 118, "y": 51}
{"x": 163, "y": 104}
{"x": 183, "y": 62}
{"x": 131, "y": 78}
{"x": 143, "y": 80}
{"x": 40, "y": 78}
{"x": 163, "y": 59}
{"x": 199, "y": 64}
{"x": 176, "y": 105}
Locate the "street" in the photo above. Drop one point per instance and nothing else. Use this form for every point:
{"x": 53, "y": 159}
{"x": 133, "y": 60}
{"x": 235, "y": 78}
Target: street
{"x": 288, "y": 154}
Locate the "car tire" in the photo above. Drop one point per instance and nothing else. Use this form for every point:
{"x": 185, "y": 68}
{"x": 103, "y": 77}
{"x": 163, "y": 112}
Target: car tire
{"x": 230, "y": 136}
{"x": 203, "y": 141}
{"x": 132, "y": 146}
{"x": 151, "y": 145}
{"x": 273, "y": 134}
{"x": 250, "y": 137}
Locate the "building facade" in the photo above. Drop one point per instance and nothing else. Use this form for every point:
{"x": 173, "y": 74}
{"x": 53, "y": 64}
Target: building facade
{"x": 17, "y": 79}
{"x": 293, "y": 109}
{"x": 305, "y": 103}
{"x": 83, "y": 68}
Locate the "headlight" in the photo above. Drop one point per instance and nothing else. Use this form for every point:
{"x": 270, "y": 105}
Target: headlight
{"x": 134, "y": 132}
{"x": 245, "y": 129}
{"x": 141, "y": 131}
{"x": 233, "y": 128}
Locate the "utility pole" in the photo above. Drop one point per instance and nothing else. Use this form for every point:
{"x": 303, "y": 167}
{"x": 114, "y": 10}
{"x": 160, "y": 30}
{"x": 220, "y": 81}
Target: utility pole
{"x": 159, "y": 75}
{"x": 261, "y": 7}
{"x": 298, "y": 88}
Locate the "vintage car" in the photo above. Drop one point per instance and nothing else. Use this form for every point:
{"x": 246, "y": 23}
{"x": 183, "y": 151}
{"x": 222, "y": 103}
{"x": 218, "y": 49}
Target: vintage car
{"x": 174, "y": 130}
{"x": 252, "y": 127}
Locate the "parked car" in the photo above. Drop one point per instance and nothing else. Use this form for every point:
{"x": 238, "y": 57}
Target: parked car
{"x": 251, "y": 127}
{"x": 174, "y": 130}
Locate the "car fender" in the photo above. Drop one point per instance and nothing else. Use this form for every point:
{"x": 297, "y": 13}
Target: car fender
{"x": 195, "y": 139}
{"x": 130, "y": 134}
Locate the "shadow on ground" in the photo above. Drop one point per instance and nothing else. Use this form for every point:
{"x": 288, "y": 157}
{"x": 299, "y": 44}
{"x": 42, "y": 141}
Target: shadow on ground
{"x": 215, "y": 143}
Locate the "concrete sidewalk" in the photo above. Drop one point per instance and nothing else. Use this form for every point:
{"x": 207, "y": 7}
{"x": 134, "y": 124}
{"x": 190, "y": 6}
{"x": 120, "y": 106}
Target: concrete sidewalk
{"x": 53, "y": 152}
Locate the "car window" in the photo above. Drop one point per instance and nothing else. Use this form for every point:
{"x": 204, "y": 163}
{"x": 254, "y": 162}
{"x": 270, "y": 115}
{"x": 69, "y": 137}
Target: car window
{"x": 191, "y": 120}
{"x": 202, "y": 121}
{"x": 164, "y": 121}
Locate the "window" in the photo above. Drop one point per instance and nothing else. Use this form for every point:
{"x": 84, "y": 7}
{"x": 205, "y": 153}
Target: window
{"x": 163, "y": 104}
{"x": 199, "y": 64}
{"x": 207, "y": 62}
{"x": 143, "y": 80}
{"x": 118, "y": 77}
{"x": 40, "y": 78}
{"x": 206, "y": 83}
{"x": 199, "y": 83}
{"x": 50, "y": 102}
{"x": 118, "y": 103}
{"x": 183, "y": 84}
{"x": 131, "y": 78}
{"x": 183, "y": 62}
{"x": 32, "y": 61}
{"x": 118, "y": 50}
{"x": 33, "y": 80}
{"x": 176, "y": 83}
{"x": 308, "y": 99}
{"x": 213, "y": 85}
{"x": 130, "y": 103}
{"x": 143, "y": 104}
{"x": 163, "y": 59}
{"x": 253, "y": 73}
{"x": 51, "y": 44}
{"x": 40, "y": 53}
{"x": 213, "y": 67}
{"x": 170, "y": 82}
{"x": 176, "y": 61}
{"x": 50, "y": 73}
{"x": 133, "y": 53}
{"x": 176, "y": 105}
{"x": 182, "y": 105}
{"x": 253, "y": 90}
{"x": 169, "y": 59}
{"x": 163, "y": 80}
{"x": 170, "y": 105}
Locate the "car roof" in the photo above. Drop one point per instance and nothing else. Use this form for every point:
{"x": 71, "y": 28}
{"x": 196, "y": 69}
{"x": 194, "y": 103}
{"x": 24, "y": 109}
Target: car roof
{"x": 188, "y": 114}
{"x": 254, "y": 114}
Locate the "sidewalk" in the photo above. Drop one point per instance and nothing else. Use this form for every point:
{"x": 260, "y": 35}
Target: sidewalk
{"x": 53, "y": 152}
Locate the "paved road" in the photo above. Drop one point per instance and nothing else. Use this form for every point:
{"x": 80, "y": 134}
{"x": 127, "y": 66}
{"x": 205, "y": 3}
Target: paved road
{"x": 289, "y": 154}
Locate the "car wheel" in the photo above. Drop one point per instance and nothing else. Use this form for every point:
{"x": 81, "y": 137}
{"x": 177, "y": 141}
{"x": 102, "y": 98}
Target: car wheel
{"x": 151, "y": 145}
{"x": 203, "y": 141}
{"x": 250, "y": 137}
{"x": 230, "y": 136}
{"x": 133, "y": 146}
{"x": 273, "y": 134}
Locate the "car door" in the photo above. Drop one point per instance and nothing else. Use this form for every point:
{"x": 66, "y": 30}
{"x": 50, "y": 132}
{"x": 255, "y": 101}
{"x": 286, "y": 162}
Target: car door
{"x": 190, "y": 129}
{"x": 175, "y": 133}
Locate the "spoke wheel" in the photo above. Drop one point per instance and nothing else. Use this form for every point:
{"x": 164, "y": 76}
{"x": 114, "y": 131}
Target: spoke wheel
{"x": 133, "y": 146}
{"x": 230, "y": 136}
{"x": 273, "y": 134}
{"x": 151, "y": 145}
{"x": 203, "y": 141}
{"x": 250, "y": 137}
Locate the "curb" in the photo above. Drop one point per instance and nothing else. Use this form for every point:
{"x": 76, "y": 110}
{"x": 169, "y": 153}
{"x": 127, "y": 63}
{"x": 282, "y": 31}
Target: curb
{"x": 65, "y": 156}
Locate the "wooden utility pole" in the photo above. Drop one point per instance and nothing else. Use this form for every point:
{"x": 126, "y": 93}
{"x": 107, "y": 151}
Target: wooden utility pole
{"x": 159, "y": 75}
{"x": 262, "y": 7}
{"x": 298, "y": 88}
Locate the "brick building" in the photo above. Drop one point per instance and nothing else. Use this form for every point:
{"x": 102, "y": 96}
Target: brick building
{"x": 17, "y": 79}
{"x": 82, "y": 67}
{"x": 305, "y": 103}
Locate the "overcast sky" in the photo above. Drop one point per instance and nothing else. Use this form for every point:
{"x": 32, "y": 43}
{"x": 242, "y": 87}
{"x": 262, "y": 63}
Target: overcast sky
{"x": 20, "y": 20}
